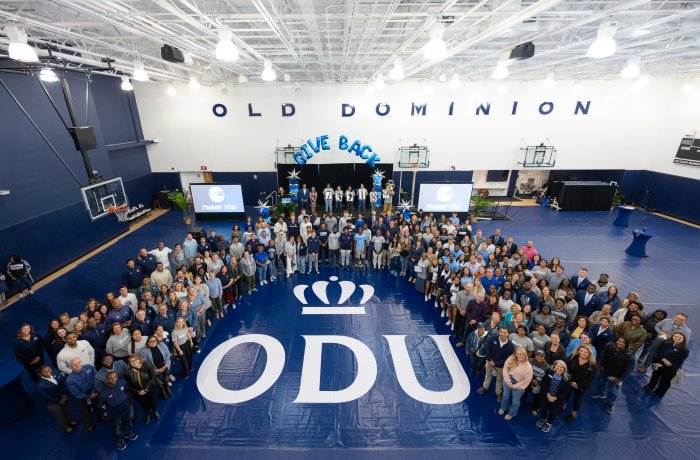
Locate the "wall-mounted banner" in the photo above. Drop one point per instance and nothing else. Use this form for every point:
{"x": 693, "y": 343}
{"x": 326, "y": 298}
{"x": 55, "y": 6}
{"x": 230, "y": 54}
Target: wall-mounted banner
{"x": 312, "y": 146}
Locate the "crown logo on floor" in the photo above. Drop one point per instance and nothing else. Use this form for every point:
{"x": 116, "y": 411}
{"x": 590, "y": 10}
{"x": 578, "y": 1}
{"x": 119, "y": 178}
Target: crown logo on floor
{"x": 320, "y": 289}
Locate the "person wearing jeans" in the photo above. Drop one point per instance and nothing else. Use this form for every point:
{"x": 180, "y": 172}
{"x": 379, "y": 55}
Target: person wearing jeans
{"x": 517, "y": 373}
{"x": 616, "y": 363}
{"x": 261, "y": 261}
{"x": 313, "y": 245}
{"x": 328, "y": 197}
{"x": 498, "y": 351}
{"x": 19, "y": 271}
{"x": 248, "y": 268}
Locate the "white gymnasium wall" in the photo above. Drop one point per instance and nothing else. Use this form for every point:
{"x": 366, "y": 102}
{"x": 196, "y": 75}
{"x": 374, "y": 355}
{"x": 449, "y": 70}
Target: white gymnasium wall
{"x": 623, "y": 130}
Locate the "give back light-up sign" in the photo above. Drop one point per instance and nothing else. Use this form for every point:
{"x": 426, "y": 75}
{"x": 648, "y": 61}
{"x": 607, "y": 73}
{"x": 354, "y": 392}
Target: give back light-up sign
{"x": 310, "y": 384}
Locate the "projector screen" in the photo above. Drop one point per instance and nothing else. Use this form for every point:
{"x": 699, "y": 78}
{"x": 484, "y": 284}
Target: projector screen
{"x": 445, "y": 197}
{"x": 213, "y": 198}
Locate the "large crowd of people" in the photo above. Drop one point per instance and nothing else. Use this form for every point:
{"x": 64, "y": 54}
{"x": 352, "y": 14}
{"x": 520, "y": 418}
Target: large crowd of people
{"x": 545, "y": 333}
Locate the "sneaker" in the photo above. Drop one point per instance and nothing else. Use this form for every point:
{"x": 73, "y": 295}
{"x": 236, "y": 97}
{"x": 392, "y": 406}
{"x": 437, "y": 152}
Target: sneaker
{"x": 540, "y": 423}
{"x": 121, "y": 446}
{"x": 508, "y": 417}
{"x": 448, "y": 322}
{"x": 482, "y": 390}
{"x": 249, "y": 292}
{"x": 452, "y": 327}
{"x": 255, "y": 289}
{"x": 442, "y": 315}
{"x": 598, "y": 395}
{"x": 131, "y": 437}
{"x": 546, "y": 427}
{"x": 501, "y": 412}
{"x": 436, "y": 305}
{"x": 172, "y": 378}
{"x": 318, "y": 272}
{"x": 460, "y": 344}
{"x": 609, "y": 408}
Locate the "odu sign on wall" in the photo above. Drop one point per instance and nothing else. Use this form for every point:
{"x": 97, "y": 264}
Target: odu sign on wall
{"x": 475, "y": 127}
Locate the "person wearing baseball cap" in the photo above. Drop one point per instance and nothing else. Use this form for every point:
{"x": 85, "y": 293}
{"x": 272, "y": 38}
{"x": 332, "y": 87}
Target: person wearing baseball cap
{"x": 476, "y": 348}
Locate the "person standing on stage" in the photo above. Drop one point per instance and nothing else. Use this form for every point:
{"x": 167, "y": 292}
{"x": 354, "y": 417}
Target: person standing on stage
{"x": 313, "y": 199}
{"x": 361, "y": 199}
{"x": 304, "y": 197}
{"x": 350, "y": 198}
{"x": 328, "y": 197}
{"x": 373, "y": 197}
{"x": 338, "y": 199}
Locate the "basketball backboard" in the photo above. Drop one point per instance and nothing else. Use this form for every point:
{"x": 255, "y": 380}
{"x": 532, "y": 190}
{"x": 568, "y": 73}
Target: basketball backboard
{"x": 99, "y": 197}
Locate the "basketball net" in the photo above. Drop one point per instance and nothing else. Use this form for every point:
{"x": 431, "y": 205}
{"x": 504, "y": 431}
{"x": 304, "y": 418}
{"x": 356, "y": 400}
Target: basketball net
{"x": 120, "y": 211}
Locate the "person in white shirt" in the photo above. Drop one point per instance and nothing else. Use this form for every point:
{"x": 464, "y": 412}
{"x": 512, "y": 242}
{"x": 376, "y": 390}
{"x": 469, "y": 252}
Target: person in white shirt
{"x": 377, "y": 247}
{"x": 328, "y": 198}
{"x": 280, "y": 226}
{"x": 305, "y": 229}
{"x": 74, "y": 348}
{"x": 127, "y": 299}
{"x": 361, "y": 199}
{"x": 350, "y": 198}
{"x": 373, "y": 196}
{"x": 338, "y": 199}
{"x": 162, "y": 253}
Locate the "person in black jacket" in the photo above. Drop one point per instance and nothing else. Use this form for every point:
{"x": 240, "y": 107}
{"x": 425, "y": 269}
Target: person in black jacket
{"x": 668, "y": 359}
{"x": 141, "y": 378}
{"x": 115, "y": 399}
{"x": 51, "y": 389}
{"x": 554, "y": 391}
{"x": 497, "y": 351}
{"x": 29, "y": 350}
{"x": 616, "y": 363}
{"x": 582, "y": 369}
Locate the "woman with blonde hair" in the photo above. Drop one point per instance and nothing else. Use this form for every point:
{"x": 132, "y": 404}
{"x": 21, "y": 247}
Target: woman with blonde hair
{"x": 517, "y": 375}
{"x": 582, "y": 369}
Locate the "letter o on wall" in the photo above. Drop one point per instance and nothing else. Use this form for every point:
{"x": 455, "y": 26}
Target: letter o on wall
{"x": 219, "y": 110}
{"x": 382, "y": 109}
{"x": 546, "y": 108}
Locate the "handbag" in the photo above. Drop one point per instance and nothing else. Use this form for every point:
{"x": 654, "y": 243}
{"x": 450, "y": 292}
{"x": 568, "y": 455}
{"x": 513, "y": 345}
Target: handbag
{"x": 679, "y": 378}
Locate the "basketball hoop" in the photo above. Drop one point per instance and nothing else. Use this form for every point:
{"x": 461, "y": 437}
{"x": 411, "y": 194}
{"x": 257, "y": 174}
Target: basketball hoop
{"x": 121, "y": 212}
{"x": 414, "y": 165}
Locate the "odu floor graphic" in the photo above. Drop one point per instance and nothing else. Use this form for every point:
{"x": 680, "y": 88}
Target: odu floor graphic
{"x": 331, "y": 363}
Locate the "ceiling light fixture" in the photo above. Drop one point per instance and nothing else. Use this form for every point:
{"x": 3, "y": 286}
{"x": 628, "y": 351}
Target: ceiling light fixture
{"x": 455, "y": 83}
{"x": 194, "y": 84}
{"x": 171, "y": 91}
{"x": 287, "y": 77}
{"x": 442, "y": 78}
{"x": 126, "y": 84}
{"x": 632, "y": 69}
{"x": 435, "y": 48}
{"x": 396, "y": 73}
{"x": 379, "y": 82}
{"x": 140, "y": 73}
{"x": 225, "y": 49}
{"x": 500, "y": 72}
{"x": 268, "y": 74}
{"x": 242, "y": 79}
{"x": 604, "y": 45}
{"x": 224, "y": 89}
{"x": 549, "y": 81}
{"x": 640, "y": 83}
{"x": 19, "y": 49}
{"x": 48, "y": 75}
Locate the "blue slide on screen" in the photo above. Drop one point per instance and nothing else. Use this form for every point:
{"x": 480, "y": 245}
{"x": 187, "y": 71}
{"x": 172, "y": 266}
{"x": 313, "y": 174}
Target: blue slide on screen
{"x": 214, "y": 198}
{"x": 445, "y": 197}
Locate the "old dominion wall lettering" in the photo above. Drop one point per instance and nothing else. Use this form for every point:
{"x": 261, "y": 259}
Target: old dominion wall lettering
{"x": 383, "y": 109}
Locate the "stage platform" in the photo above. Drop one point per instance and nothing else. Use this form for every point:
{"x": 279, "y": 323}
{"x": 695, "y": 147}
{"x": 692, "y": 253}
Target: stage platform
{"x": 383, "y": 422}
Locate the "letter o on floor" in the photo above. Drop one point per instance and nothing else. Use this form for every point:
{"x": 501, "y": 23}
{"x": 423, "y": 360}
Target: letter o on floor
{"x": 208, "y": 382}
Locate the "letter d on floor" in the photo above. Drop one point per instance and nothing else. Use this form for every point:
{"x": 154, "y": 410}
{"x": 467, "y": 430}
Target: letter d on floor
{"x": 310, "y": 385}
{"x": 208, "y": 382}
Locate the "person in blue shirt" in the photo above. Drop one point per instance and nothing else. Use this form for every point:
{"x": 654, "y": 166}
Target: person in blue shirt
{"x": 81, "y": 385}
{"x": 454, "y": 219}
{"x": 132, "y": 276}
{"x": 323, "y": 235}
{"x": 313, "y": 245}
{"x": 146, "y": 261}
{"x": 359, "y": 222}
{"x": 261, "y": 261}
{"x": 346, "y": 242}
{"x": 489, "y": 280}
{"x": 360, "y": 242}
{"x": 97, "y": 335}
{"x": 116, "y": 401}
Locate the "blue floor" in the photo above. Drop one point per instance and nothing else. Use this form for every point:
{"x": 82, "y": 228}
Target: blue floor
{"x": 385, "y": 422}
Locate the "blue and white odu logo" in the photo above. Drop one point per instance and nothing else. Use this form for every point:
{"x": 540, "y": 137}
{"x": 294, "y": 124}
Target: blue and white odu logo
{"x": 310, "y": 381}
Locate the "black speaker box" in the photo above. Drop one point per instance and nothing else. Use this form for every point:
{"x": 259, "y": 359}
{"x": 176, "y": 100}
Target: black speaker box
{"x": 523, "y": 51}
{"x": 171, "y": 54}
{"x": 83, "y": 137}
